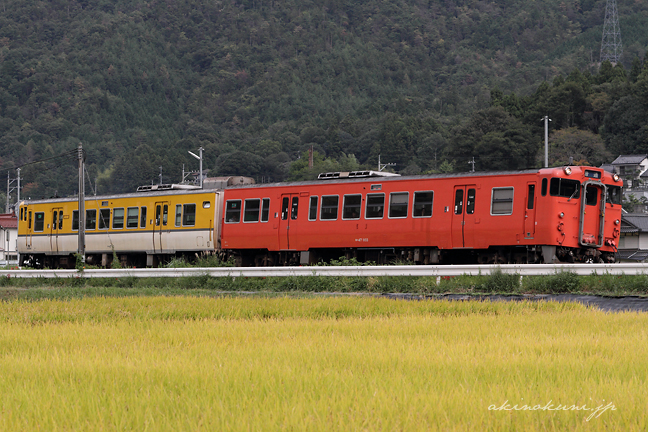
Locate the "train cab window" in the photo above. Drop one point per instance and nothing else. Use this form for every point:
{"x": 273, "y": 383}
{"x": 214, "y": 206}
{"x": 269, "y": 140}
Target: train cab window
{"x": 189, "y": 215}
{"x": 91, "y": 219}
{"x": 398, "y": 202}
{"x": 104, "y": 218}
{"x": 312, "y": 209}
{"x": 423, "y": 204}
{"x": 329, "y": 209}
{"x": 233, "y": 211}
{"x": 351, "y": 206}
{"x": 613, "y": 195}
{"x": 470, "y": 202}
{"x": 75, "y": 220}
{"x": 178, "y": 215}
{"x": 22, "y": 210}
{"x": 531, "y": 196}
{"x": 502, "y": 201}
{"x": 39, "y": 221}
{"x": 143, "y": 218}
{"x": 458, "y": 208}
{"x": 132, "y": 215}
{"x": 265, "y": 210}
{"x": 251, "y": 211}
{"x": 591, "y": 195}
{"x": 285, "y": 202}
{"x": 564, "y": 188}
{"x": 294, "y": 208}
{"x": 118, "y": 218}
{"x": 375, "y": 206}
{"x": 543, "y": 189}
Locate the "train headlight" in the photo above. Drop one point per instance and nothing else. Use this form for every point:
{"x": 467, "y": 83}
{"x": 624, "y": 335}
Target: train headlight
{"x": 617, "y": 222}
{"x": 615, "y": 177}
{"x": 567, "y": 170}
{"x": 561, "y": 215}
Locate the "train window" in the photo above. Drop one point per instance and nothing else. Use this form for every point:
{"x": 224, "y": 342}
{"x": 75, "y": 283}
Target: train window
{"x": 591, "y": 195}
{"x": 285, "y": 202}
{"x": 265, "y": 210}
{"x": 398, "y": 204}
{"x": 75, "y": 220}
{"x": 423, "y": 204}
{"x": 531, "y": 196}
{"x": 564, "y": 188}
{"x": 165, "y": 214}
{"x": 375, "y": 206}
{"x": 132, "y": 214}
{"x": 502, "y": 201}
{"x": 22, "y": 210}
{"x": 206, "y": 204}
{"x": 60, "y": 221}
{"x": 158, "y": 213}
{"x": 294, "y": 207}
{"x": 312, "y": 210}
{"x": 251, "y": 212}
{"x": 143, "y": 218}
{"x": 351, "y": 206}
{"x": 118, "y": 218}
{"x": 54, "y": 219}
{"x": 91, "y": 219}
{"x": 30, "y": 219}
{"x": 189, "y": 215}
{"x": 470, "y": 202}
{"x": 104, "y": 218}
{"x": 613, "y": 195}
{"x": 39, "y": 221}
{"x": 233, "y": 211}
{"x": 459, "y": 201}
{"x": 329, "y": 207}
{"x": 544, "y": 187}
{"x": 178, "y": 215}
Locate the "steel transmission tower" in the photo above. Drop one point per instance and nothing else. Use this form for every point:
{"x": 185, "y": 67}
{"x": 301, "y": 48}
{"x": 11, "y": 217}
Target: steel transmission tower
{"x": 611, "y": 47}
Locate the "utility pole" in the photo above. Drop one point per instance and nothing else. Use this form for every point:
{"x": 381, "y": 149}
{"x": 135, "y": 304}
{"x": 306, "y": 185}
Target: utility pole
{"x": 11, "y": 188}
{"x": 382, "y": 166}
{"x": 160, "y": 175}
{"x": 200, "y": 158}
{"x": 472, "y": 162}
{"x": 81, "y": 246}
{"x": 611, "y": 48}
{"x": 546, "y": 120}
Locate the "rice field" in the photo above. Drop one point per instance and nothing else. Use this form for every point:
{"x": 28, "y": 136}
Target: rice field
{"x": 251, "y": 364}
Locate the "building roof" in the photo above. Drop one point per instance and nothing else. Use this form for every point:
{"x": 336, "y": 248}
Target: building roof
{"x": 8, "y": 220}
{"x": 634, "y": 222}
{"x": 629, "y": 159}
{"x": 608, "y": 167}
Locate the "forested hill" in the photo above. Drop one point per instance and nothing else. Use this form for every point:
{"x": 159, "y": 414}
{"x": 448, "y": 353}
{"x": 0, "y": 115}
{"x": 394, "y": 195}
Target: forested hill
{"x": 257, "y": 82}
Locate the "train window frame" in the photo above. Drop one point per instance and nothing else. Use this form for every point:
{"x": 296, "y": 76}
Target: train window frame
{"x": 39, "y": 223}
{"x": 189, "y": 215}
{"x": 130, "y": 217}
{"x": 178, "y": 215}
{"x": 251, "y": 215}
{"x": 350, "y": 207}
{"x": 431, "y": 203}
{"x": 370, "y": 206}
{"x": 329, "y": 206}
{"x": 75, "y": 220}
{"x": 265, "y": 210}
{"x": 103, "y": 222}
{"x": 232, "y": 215}
{"x": 392, "y": 206}
{"x": 91, "y": 220}
{"x": 118, "y": 218}
{"x": 143, "y": 217}
{"x": 312, "y": 207}
{"x": 505, "y": 201}
{"x": 556, "y": 188}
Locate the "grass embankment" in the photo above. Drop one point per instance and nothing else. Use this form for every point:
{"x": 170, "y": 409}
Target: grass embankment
{"x": 499, "y": 283}
{"x": 187, "y": 363}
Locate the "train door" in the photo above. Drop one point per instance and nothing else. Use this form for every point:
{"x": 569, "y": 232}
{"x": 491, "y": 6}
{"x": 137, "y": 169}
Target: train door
{"x": 530, "y": 211}
{"x": 592, "y": 214}
{"x": 288, "y": 221}
{"x": 160, "y": 228}
{"x": 55, "y": 227}
{"x": 463, "y": 217}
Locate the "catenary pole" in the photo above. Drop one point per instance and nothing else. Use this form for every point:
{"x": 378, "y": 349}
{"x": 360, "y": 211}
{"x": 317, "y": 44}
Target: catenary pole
{"x": 81, "y": 247}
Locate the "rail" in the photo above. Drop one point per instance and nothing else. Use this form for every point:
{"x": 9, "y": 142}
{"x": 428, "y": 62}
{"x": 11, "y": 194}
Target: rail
{"x": 363, "y": 271}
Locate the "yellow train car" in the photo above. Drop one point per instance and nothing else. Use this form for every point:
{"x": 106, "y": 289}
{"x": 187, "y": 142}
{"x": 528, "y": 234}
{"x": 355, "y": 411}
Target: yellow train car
{"x": 141, "y": 229}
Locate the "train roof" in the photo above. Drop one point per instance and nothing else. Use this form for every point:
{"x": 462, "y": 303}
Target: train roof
{"x": 125, "y": 195}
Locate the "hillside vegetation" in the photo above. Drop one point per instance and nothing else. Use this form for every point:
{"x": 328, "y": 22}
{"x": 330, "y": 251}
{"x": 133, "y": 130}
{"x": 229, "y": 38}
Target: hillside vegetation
{"x": 425, "y": 84}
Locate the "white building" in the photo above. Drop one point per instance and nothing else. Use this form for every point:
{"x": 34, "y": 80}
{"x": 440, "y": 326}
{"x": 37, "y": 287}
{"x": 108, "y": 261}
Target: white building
{"x": 8, "y": 238}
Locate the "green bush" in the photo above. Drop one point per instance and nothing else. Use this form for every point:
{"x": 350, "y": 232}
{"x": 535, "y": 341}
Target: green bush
{"x": 558, "y": 283}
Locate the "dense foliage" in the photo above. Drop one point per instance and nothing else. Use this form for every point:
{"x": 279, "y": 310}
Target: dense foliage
{"x": 425, "y": 84}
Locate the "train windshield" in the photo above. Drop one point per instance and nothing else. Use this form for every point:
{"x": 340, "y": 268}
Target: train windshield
{"x": 564, "y": 188}
{"x": 613, "y": 195}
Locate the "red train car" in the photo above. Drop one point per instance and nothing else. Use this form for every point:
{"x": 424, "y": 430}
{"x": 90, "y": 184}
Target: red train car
{"x": 568, "y": 214}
